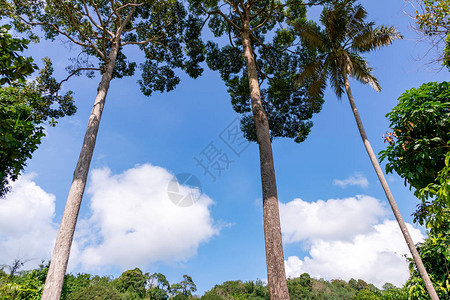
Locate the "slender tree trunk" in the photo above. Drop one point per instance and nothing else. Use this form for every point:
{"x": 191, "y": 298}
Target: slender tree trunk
{"x": 276, "y": 274}
{"x": 387, "y": 191}
{"x": 60, "y": 257}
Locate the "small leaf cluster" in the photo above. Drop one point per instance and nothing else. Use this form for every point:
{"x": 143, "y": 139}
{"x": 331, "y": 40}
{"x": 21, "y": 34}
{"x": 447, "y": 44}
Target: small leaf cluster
{"x": 13, "y": 66}
{"x": 433, "y": 20}
{"x": 421, "y": 134}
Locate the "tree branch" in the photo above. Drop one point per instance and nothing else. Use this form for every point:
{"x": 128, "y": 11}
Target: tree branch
{"x": 75, "y": 72}
{"x": 63, "y": 33}
{"x": 93, "y": 46}
{"x": 219, "y": 12}
{"x": 127, "y": 19}
{"x": 141, "y": 42}
{"x": 129, "y": 4}
{"x": 90, "y": 17}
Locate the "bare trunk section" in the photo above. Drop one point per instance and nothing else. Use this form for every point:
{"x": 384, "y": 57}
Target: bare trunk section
{"x": 387, "y": 191}
{"x": 276, "y": 274}
{"x": 60, "y": 257}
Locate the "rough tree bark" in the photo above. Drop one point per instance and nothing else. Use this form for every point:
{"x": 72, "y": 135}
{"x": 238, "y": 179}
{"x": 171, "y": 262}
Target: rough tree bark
{"x": 61, "y": 252}
{"x": 387, "y": 191}
{"x": 276, "y": 274}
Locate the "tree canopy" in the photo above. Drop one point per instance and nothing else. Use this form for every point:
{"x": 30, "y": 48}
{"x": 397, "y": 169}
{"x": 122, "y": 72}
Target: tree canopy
{"x": 420, "y": 136}
{"x": 279, "y": 56}
{"x": 419, "y": 151}
{"x": 25, "y": 107}
{"x": 158, "y": 28}
{"x": 28, "y": 284}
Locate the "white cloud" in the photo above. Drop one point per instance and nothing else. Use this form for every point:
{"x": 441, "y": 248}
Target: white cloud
{"x": 357, "y": 179}
{"x": 134, "y": 223}
{"x": 372, "y": 249}
{"x": 26, "y": 228}
{"x": 131, "y": 222}
{"x": 338, "y": 219}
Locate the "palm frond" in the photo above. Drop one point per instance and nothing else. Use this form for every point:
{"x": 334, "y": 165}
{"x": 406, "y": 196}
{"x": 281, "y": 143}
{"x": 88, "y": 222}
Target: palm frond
{"x": 346, "y": 34}
{"x": 359, "y": 13}
{"x": 311, "y": 35}
{"x": 356, "y": 16}
{"x": 335, "y": 76}
{"x": 314, "y": 74}
{"x": 317, "y": 87}
{"x": 374, "y": 38}
{"x": 362, "y": 71}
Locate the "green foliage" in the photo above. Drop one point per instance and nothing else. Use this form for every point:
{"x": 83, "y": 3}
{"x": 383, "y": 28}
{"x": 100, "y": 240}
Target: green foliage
{"x": 288, "y": 107}
{"x": 98, "y": 291}
{"x": 390, "y": 291}
{"x": 300, "y": 287}
{"x": 305, "y": 287}
{"x": 367, "y": 294}
{"x": 436, "y": 213}
{"x": 74, "y": 283}
{"x": 29, "y": 284}
{"x": 421, "y": 126}
{"x": 435, "y": 16}
{"x": 132, "y": 282}
{"x": 435, "y": 250}
{"x": 435, "y": 254}
{"x": 26, "y": 285}
{"x": 183, "y": 289}
{"x": 418, "y": 147}
{"x": 419, "y": 152}
{"x": 13, "y": 66}
{"x": 238, "y": 290}
{"x": 159, "y": 287}
{"x": 434, "y": 20}
{"x": 345, "y": 36}
{"x": 159, "y": 28}
{"x": 24, "y": 108}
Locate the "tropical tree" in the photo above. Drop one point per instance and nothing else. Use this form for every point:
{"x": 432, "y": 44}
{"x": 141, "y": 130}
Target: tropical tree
{"x": 159, "y": 287}
{"x": 185, "y": 288}
{"x": 102, "y": 29}
{"x": 419, "y": 151}
{"x": 132, "y": 282}
{"x": 346, "y": 35}
{"x": 420, "y": 136}
{"x": 24, "y": 107}
{"x": 281, "y": 109}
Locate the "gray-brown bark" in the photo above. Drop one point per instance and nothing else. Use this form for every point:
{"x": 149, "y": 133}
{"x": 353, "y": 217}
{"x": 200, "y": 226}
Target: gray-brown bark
{"x": 390, "y": 197}
{"x": 60, "y": 257}
{"x": 276, "y": 274}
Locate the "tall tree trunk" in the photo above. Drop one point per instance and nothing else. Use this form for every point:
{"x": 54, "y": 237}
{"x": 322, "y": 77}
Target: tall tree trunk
{"x": 390, "y": 197}
{"x": 276, "y": 274}
{"x": 60, "y": 257}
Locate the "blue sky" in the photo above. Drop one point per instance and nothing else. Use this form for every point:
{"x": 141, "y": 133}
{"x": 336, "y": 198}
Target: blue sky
{"x": 336, "y": 222}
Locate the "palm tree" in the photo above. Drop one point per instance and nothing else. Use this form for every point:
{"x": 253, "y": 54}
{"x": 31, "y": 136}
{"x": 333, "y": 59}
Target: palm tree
{"x": 346, "y": 35}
